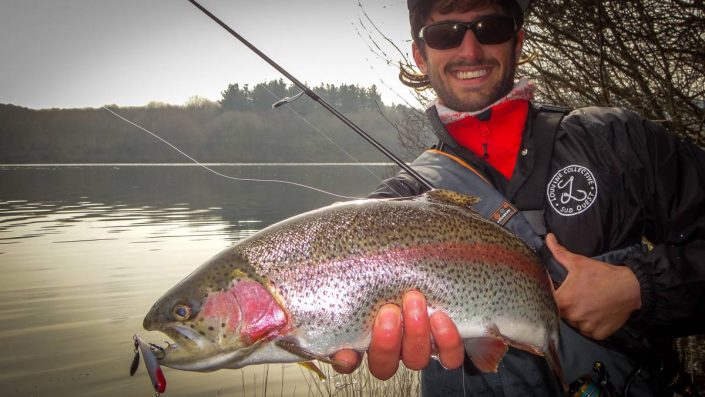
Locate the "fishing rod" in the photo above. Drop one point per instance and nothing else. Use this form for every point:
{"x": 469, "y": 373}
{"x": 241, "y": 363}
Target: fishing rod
{"x": 317, "y": 98}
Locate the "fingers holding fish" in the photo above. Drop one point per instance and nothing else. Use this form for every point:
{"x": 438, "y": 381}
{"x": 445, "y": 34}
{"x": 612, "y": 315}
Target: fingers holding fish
{"x": 451, "y": 352}
{"x": 385, "y": 346}
{"x": 416, "y": 341}
{"x": 418, "y": 328}
{"x": 346, "y": 361}
{"x": 409, "y": 330}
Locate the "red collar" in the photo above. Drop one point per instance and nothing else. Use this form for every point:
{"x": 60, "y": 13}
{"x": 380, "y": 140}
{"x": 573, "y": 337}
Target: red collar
{"x": 496, "y": 139}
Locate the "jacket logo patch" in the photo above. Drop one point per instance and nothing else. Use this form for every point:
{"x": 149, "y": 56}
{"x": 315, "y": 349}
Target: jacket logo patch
{"x": 503, "y": 214}
{"x": 572, "y": 190}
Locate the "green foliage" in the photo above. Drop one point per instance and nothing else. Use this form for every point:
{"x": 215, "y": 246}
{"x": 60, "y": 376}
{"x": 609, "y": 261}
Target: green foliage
{"x": 242, "y": 127}
{"x": 346, "y": 98}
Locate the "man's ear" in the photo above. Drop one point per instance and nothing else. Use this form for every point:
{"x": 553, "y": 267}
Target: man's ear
{"x": 519, "y": 46}
{"x": 419, "y": 58}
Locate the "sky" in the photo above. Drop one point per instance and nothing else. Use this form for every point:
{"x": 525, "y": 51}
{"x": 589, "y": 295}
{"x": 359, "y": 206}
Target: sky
{"x": 90, "y": 53}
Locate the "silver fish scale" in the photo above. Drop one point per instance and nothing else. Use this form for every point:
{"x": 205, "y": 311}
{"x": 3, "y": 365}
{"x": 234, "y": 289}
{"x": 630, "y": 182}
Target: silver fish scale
{"x": 334, "y": 268}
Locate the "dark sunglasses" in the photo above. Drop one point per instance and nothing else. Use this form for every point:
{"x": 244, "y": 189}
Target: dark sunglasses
{"x": 492, "y": 29}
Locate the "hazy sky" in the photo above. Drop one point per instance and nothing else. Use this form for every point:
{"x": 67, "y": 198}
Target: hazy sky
{"x": 88, "y": 53}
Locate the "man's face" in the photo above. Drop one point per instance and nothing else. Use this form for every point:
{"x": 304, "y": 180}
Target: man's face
{"x": 471, "y": 76}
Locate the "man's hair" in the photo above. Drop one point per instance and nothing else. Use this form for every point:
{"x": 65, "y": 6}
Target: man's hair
{"x": 419, "y": 16}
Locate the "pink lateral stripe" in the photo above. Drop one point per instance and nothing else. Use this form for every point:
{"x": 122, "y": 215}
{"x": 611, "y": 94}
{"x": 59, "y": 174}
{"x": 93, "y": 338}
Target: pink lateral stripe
{"x": 453, "y": 251}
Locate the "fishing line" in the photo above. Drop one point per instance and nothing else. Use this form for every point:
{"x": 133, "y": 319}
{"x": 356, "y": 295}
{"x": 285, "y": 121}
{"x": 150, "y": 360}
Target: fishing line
{"x": 224, "y": 175}
{"x": 409, "y": 170}
{"x": 286, "y": 102}
{"x": 383, "y": 56}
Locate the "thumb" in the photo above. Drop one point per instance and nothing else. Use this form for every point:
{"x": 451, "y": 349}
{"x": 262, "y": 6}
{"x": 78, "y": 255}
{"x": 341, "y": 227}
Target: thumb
{"x": 560, "y": 253}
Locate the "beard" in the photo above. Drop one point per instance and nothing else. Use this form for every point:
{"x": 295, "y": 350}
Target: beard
{"x": 475, "y": 101}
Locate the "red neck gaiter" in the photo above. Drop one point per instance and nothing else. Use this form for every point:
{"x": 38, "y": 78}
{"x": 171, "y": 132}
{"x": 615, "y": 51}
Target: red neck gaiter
{"x": 496, "y": 138}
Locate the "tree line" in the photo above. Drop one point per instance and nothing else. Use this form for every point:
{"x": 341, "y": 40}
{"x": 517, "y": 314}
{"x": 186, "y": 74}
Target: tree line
{"x": 241, "y": 127}
{"x": 345, "y": 98}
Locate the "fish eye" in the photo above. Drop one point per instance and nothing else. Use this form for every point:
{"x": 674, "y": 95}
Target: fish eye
{"x": 181, "y": 312}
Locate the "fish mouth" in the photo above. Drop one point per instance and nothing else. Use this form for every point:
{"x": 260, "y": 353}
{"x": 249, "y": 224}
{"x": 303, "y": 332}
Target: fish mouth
{"x": 184, "y": 336}
{"x": 191, "y": 351}
{"x": 188, "y": 350}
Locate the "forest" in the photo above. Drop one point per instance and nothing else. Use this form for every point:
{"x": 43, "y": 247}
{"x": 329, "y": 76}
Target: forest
{"x": 242, "y": 127}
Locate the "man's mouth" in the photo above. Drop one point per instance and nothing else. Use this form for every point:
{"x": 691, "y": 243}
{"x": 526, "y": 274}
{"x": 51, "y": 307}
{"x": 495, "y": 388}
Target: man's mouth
{"x": 471, "y": 74}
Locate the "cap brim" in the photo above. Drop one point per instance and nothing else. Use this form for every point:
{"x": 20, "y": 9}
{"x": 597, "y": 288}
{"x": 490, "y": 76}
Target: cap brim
{"x": 524, "y": 4}
{"x": 411, "y": 4}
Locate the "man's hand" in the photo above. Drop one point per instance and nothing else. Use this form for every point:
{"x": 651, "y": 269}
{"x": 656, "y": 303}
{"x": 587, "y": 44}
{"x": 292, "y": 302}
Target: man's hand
{"x": 411, "y": 341}
{"x": 596, "y": 298}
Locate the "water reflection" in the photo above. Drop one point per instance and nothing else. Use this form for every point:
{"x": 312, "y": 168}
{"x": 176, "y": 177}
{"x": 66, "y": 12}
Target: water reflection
{"x": 84, "y": 252}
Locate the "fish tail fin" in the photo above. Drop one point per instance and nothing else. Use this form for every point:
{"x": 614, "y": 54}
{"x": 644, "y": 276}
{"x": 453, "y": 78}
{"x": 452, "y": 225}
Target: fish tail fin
{"x": 555, "y": 365}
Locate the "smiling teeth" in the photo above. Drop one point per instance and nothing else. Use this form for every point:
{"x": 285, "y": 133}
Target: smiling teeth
{"x": 471, "y": 74}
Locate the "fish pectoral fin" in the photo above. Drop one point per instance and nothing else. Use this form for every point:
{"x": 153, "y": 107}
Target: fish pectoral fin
{"x": 311, "y": 366}
{"x": 486, "y": 353}
{"x": 292, "y": 345}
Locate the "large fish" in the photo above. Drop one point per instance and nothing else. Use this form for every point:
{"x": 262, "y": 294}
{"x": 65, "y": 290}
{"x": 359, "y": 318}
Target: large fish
{"x": 311, "y": 285}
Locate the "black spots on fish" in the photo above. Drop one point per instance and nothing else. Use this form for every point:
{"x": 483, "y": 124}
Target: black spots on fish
{"x": 202, "y": 333}
{"x": 192, "y": 326}
{"x": 211, "y": 328}
{"x": 222, "y": 325}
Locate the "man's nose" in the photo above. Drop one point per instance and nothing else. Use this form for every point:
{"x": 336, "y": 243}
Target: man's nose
{"x": 470, "y": 47}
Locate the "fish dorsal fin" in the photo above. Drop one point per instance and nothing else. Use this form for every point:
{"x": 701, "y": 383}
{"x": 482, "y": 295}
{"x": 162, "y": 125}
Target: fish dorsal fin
{"x": 452, "y": 197}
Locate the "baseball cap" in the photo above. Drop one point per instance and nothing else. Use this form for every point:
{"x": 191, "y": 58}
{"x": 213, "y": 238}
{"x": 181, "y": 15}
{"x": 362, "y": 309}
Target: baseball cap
{"x": 411, "y": 4}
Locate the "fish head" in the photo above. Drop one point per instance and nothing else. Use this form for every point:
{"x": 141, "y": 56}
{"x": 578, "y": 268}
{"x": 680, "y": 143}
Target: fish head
{"x": 216, "y": 316}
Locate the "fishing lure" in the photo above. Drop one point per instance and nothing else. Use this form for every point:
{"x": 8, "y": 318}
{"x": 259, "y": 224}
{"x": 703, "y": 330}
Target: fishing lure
{"x": 151, "y": 362}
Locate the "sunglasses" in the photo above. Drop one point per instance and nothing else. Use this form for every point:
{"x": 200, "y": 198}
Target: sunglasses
{"x": 492, "y": 29}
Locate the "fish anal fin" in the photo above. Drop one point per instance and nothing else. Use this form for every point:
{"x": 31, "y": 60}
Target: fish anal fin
{"x": 311, "y": 366}
{"x": 525, "y": 347}
{"x": 486, "y": 352}
{"x": 494, "y": 332}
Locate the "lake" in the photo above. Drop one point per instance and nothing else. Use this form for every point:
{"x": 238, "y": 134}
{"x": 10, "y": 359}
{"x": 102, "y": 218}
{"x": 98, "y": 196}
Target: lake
{"x": 86, "y": 250}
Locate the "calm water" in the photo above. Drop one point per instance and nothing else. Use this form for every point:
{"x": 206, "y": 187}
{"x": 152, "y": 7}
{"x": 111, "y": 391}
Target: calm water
{"x": 85, "y": 251}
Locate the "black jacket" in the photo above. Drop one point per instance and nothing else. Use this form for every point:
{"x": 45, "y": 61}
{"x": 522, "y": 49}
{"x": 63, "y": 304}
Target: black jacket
{"x": 615, "y": 179}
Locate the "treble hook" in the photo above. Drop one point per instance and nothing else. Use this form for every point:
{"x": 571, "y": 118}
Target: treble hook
{"x": 158, "y": 349}
{"x": 286, "y": 100}
{"x": 151, "y": 362}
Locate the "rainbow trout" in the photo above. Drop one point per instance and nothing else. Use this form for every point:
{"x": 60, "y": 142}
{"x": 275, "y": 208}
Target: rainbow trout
{"x": 311, "y": 285}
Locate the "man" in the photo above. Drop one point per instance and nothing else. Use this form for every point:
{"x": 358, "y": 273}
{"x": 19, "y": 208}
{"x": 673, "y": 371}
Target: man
{"x": 611, "y": 179}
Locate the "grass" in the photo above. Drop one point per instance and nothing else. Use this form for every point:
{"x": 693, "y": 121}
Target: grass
{"x": 269, "y": 382}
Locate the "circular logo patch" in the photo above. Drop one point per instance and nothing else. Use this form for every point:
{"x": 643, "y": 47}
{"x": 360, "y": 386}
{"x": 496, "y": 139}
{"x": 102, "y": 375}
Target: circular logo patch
{"x": 572, "y": 190}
